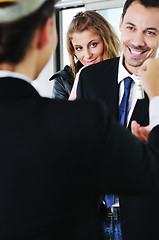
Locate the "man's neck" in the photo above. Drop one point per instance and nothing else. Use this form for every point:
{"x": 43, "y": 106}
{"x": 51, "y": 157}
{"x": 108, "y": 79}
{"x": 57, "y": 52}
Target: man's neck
{"x": 25, "y": 67}
{"x": 130, "y": 69}
{"x": 7, "y": 67}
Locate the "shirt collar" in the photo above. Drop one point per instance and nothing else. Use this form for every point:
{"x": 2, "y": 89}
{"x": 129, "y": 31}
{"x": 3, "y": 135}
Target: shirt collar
{"x": 14, "y": 75}
{"x": 122, "y": 72}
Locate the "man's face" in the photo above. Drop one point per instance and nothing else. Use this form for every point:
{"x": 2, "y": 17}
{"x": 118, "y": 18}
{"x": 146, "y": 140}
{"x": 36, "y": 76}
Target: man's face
{"x": 139, "y": 35}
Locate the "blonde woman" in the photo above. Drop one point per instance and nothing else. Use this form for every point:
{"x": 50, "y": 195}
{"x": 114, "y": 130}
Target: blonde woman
{"x": 90, "y": 39}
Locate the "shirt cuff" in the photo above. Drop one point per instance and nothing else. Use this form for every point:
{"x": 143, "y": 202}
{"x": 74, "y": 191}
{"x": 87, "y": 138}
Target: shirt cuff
{"x": 154, "y": 112}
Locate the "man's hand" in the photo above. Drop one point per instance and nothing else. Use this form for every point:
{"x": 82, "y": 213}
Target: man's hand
{"x": 149, "y": 73}
{"x": 140, "y": 132}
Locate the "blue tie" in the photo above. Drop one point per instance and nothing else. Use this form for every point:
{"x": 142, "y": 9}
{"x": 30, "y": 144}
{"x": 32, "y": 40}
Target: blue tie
{"x": 124, "y": 105}
{"x": 109, "y": 200}
{"x": 123, "y": 112}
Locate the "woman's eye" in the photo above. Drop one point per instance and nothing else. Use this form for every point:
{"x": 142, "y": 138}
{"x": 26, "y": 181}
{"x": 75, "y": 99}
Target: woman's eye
{"x": 78, "y": 48}
{"x": 94, "y": 44}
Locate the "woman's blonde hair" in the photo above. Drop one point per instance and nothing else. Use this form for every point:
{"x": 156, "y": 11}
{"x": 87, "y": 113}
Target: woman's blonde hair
{"x": 93, "y": 20}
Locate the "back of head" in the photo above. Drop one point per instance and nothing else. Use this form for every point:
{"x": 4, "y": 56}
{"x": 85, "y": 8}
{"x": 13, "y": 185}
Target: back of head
{"x": 91, "y": 20}
{"x": 18, "y": 22}
{"x": 145, "y": 3}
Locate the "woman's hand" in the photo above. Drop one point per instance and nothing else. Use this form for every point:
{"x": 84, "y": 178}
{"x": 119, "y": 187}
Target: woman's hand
{"x": 73, "y": 94}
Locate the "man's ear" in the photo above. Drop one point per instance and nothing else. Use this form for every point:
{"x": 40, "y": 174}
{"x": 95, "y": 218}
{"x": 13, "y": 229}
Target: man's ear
{"x": 121, "y": 21}
{"x": 44, "y": 34}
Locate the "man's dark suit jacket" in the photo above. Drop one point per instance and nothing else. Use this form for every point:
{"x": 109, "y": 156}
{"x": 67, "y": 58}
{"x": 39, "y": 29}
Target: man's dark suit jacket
{"x": 139, "y": 215}
{"x": 55, "y": 158}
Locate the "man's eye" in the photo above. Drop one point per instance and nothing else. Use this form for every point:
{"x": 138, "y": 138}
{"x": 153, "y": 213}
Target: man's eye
{"x": 151, "y": 33}
{"x": 130, "y": 28}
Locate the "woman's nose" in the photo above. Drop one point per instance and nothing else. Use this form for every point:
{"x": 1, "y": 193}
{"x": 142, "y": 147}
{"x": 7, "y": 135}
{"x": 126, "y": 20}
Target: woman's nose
{"x": 87, "y": 54}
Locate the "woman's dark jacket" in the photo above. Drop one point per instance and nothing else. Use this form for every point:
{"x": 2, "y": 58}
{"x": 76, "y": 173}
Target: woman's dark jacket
{"x": 63, "y": 83}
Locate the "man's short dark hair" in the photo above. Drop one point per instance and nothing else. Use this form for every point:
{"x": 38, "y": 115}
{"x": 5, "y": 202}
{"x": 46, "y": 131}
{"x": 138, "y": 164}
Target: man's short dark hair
{"x": 15, "y": 37}
{"x": 145, "y": 3}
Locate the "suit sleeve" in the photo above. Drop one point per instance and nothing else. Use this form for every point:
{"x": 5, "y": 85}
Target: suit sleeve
{"x": 85, "y": 83}
{"x": 128, "y": 166}
{"x": 80, "y": 88}
{"x": 153, "y": 138}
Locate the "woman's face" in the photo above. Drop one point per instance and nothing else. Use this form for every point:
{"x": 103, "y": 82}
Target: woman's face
{"x": 88, "y": 47}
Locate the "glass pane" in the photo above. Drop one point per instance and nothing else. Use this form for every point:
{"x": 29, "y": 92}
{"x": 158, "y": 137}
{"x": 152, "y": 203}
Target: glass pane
{"x": 67, "y": 16}
{"x": 112, "y": 15}
{"x": 62, "y": 1}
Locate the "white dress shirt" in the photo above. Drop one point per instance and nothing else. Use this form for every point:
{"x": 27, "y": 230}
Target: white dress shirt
{"x": 154, "y": 102}
{"x": 14, "y": 75}
{"x": 154, "y": 112}
{"x": 123, "y": 73}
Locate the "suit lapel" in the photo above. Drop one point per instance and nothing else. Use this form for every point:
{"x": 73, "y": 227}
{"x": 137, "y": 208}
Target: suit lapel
{"x": 111, "y": 95}
{"x": 141, "y": 112}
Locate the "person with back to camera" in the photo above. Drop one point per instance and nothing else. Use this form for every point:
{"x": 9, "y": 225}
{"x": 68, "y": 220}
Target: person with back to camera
{"x": 90, "y": 39}
{"x": 139, "y": 41}
{"x": 45, "y": 194}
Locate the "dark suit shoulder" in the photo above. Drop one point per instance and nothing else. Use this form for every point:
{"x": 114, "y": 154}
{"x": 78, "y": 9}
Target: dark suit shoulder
{"x": 104, "y": 65}
{"x": 153, "y": 138}
{"x": 74, "y": 111}
{"x": 99, "y": 81}
{"x": 98, "y": 72}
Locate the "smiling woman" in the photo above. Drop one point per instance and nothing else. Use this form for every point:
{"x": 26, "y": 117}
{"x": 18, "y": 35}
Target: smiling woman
{"x": 90, "y": 39}
{"x": 88, "y": 47}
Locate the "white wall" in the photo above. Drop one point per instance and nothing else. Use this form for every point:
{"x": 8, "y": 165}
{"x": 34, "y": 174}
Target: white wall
{"x": 67, "y": 16}
{"x": 42, "y": 83}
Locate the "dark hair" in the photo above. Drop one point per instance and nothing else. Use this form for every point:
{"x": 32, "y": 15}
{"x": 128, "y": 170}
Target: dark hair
{"x": 145, "y": 3}
{"x": 15, "y": 37}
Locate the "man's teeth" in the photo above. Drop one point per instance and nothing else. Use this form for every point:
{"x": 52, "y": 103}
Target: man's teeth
{"x": 136, "y": 53}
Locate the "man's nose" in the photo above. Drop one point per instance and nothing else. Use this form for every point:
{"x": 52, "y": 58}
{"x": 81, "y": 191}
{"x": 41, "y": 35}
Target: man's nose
{"x": 139, "y": 39}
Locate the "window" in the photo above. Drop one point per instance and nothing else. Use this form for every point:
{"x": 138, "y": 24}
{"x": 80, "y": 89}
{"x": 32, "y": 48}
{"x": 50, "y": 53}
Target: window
{"x": 111, "y": 10}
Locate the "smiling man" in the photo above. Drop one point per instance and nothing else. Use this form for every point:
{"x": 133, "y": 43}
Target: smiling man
{"x": 139, "y": 27}
{"x": 139, "y": 35}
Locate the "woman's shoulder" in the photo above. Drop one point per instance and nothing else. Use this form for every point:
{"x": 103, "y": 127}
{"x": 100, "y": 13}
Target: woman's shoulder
{"x": 63, "y": 83}
{"x": 64, "y": 75}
